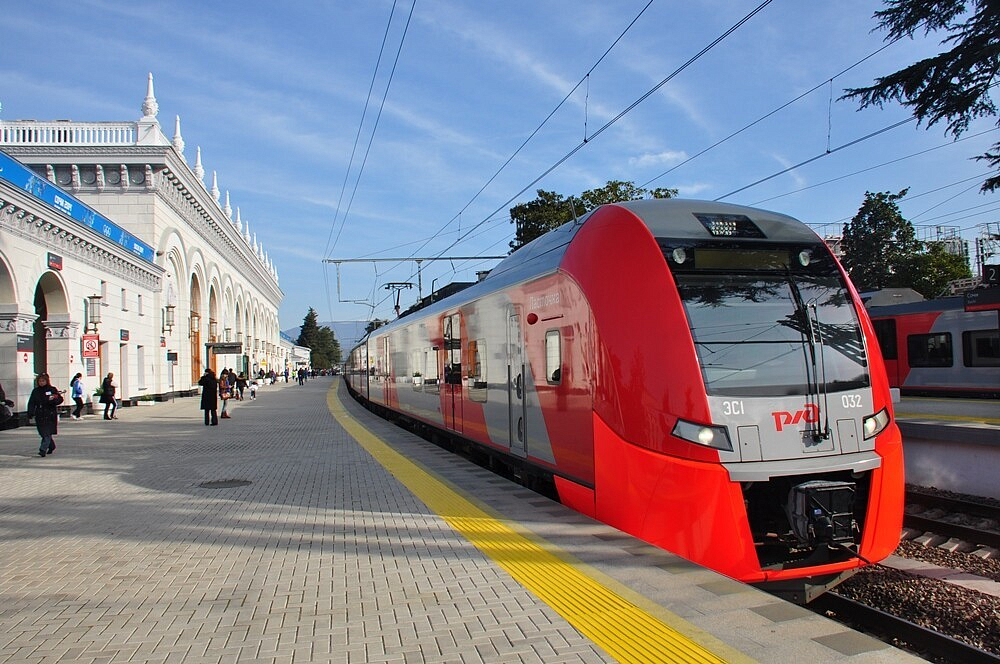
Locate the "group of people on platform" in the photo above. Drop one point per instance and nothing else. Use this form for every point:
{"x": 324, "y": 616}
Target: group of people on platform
{"x": 227, "y": 386}
{"x": 45, "y": 399}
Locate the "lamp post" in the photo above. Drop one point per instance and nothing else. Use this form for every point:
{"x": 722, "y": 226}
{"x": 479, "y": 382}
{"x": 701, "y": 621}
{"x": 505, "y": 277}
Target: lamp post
{"x": 93, "y": 313}
{"x": 229, "y": 334}
{"x": 168, "y": 319}
{"x": 195, "y": 323}
{"x": 213, "y": 329}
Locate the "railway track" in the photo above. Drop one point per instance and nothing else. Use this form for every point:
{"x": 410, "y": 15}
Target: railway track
{"x": 951, "y": 505}
{"x": 890, "y": 628}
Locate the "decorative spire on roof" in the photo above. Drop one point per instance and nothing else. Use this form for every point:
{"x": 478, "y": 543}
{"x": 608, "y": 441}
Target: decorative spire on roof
{"x": 215, "y": 187}
{"x": 149, "y": 106}
{"x": 255, "y": 243}
{"x": 227, "y": 208}
{"x": 199, "y": 170}
{"x": 246, "y": 234}
{"x": 178, "y": 139}
{"x": 238, "y": 222}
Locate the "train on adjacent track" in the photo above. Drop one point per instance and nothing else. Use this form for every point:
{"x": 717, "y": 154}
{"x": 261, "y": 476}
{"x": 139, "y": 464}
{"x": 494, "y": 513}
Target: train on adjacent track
{"x": 937, "y": 347}
{"x": 700, "y": 375}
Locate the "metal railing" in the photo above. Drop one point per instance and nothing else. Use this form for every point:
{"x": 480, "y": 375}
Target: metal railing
{"x": 30, "y": 132}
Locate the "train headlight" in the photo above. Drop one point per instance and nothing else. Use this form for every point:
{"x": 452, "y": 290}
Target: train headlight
{"x": 875, "y": 424}
{"x": 703, "y": 434}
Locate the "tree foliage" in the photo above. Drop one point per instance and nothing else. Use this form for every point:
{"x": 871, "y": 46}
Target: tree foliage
{"x": 953, "y": 85}
{"x": 324, "y": 348}
{"x": 929, "y": 271}
{"x": 550, "y": 210}
{"x": 310, "y": 329}
{"x": 878, "y": 243}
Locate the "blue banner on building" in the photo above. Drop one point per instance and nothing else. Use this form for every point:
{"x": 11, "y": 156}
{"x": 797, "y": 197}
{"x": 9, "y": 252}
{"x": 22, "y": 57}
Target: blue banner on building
{"x": 23, "y": 177}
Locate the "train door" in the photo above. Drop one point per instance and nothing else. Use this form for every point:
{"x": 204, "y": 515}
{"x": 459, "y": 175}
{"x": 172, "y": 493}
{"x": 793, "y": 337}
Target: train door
{"x": 451, "y": 394}
{"x": 386, "y": 375}
{"x": 516, "y": 415}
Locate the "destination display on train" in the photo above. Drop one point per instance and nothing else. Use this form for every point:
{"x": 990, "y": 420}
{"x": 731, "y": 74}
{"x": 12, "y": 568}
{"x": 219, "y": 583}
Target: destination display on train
{"x": 750, "y": 259}
{"x": 24, "y": 178}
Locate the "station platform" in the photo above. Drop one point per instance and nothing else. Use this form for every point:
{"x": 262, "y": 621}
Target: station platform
{"x": 305, "y": 529}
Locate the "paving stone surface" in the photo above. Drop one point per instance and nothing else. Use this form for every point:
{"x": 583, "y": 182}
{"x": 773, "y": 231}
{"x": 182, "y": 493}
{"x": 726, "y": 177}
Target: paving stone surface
{"x": 111, "y": 551}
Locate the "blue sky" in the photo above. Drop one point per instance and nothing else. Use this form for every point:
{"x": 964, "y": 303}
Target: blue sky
{"x": 274, "y": 96}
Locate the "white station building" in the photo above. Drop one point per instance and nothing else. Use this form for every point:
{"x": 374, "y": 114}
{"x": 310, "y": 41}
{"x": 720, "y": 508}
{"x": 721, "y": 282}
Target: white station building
{"x": 115, "y": 257}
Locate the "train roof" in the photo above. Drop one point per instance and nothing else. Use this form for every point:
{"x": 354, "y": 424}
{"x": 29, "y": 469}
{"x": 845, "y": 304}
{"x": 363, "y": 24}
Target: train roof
{"x": 682, "y": 218}
{"x": 927, "y": 306}
{"x": 665, "y": 217}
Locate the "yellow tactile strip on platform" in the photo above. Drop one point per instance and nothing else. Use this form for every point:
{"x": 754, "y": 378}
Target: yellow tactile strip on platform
{"x": 627, "y": 632}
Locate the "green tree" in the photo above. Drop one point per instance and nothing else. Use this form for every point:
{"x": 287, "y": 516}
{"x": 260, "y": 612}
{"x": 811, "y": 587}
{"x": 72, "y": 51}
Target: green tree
{"x": 879, "y": 243}
{"x": 310, "y": 330}
{"x": 327, "y": 352}
{"x": 324, "y": 348}
{"x": 539, "y": 216}
{"x": 953, "y": 85}
{"x": 928, "y": 272}
{"x": 551, "y": 210}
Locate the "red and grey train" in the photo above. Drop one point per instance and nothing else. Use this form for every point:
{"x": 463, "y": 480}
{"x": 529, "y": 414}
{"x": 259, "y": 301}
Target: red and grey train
{"x": 939, "y": 347}
{"x": 700, "y": 375}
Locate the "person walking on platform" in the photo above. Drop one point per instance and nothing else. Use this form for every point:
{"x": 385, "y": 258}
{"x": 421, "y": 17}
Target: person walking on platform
{"x": 108, "y": 389}
{"x": 42, "y": 405}
{"x": 225, "y": 391}
{"x": 210, "y": 396}
{"x": 241, "y": 386}
{"x": 76, "y": 392}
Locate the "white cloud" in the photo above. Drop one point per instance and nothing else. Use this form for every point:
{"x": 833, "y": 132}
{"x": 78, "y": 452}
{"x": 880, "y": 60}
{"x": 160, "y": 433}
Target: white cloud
{"x": 657, "y": 159}
{"x": 688, "y": 190}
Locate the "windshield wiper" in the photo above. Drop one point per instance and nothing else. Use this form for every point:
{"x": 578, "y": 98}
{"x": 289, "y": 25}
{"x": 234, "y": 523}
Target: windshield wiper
{"x": 815, "y": 327}
{"x": 813, "y": 381}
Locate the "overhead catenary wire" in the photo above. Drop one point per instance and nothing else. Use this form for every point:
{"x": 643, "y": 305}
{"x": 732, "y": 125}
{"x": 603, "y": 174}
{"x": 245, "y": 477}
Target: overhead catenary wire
{"x": 819, "y": 156}
{"x": 378, "y": 117}
{"x": 770, "y": 113}
{"x": 531, "y": 136}
{"x": 615, "y": 119}
{"x": 871, "y": 168}
{"x": 357, "y": 135}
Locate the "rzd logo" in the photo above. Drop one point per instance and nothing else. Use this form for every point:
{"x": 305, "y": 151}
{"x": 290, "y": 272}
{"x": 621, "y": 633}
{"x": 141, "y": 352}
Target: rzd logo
{"x": 810, "y": 414}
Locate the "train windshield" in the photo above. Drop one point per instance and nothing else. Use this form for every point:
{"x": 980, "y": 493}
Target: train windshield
{"x": 770, "y": 322}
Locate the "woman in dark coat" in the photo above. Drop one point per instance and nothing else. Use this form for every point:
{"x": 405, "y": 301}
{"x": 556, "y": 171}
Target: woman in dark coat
{"x": 108, "y": 389}
{"x": 210, "y": 396}
{"x": 42, "y": 405}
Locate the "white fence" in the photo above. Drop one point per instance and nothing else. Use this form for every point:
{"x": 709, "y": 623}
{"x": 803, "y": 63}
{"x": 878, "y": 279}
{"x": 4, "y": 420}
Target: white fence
{"x": 27, "y": 132}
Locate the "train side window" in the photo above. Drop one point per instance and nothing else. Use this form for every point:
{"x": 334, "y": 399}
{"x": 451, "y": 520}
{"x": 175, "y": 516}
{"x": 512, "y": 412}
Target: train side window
{"x": 430, "y": 370}
{"x": 981, "y": 348}
{"x": 929, "y": 350}
{"x": 477, "y": 370}
{"x": 885, "y": 332}
{"x": 553, "y": 357}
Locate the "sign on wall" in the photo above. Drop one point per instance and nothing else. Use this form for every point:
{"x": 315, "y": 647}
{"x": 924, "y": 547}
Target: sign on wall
{"x": 25, "y": 348}
{"x": 91, "y": 345}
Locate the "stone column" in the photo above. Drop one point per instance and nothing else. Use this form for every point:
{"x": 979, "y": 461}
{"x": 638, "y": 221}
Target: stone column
{"x": 60, "y": 339}
{"x": 16, "y": 369}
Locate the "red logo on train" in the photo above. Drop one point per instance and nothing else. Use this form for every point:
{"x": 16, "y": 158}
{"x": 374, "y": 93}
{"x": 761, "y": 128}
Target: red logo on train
{"x": 782, "y": 418}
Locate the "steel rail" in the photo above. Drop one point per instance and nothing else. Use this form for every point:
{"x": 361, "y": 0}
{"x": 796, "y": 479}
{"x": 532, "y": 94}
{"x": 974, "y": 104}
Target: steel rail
{"x": 886, "y": 625}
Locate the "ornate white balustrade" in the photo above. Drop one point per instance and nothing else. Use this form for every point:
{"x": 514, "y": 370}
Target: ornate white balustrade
{"x": 30, "y": 132}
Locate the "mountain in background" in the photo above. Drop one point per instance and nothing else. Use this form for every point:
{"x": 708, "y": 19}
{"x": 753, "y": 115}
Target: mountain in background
{"x": 348, "y": 332}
